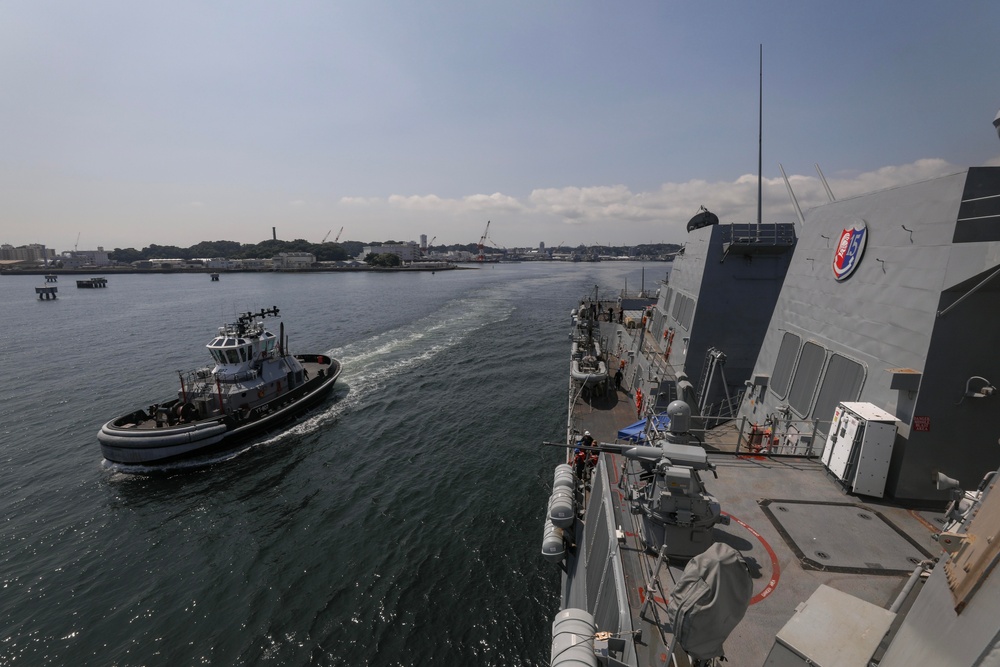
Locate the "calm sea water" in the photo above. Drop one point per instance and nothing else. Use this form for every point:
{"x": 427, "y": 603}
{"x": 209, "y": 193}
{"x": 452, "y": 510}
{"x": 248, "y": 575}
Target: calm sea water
{"x": 397, "y": 524}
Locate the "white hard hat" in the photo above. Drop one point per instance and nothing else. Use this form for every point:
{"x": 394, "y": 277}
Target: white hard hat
{"x": 586, "y": 432}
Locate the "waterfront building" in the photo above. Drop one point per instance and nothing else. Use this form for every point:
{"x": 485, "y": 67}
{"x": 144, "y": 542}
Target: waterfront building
{"x": 293, "y": 261}
{"x": 32, "y": 252}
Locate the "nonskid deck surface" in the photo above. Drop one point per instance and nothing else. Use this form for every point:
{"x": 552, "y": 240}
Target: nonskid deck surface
{"x": 792, "y": 522}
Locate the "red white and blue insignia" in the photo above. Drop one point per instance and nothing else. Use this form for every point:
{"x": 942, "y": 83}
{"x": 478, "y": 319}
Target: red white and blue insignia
{"x": 849, "y": 250}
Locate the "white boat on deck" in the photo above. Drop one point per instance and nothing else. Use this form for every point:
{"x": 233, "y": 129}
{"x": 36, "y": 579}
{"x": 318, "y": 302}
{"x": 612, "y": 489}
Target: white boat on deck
{"x": 587, "y": 365}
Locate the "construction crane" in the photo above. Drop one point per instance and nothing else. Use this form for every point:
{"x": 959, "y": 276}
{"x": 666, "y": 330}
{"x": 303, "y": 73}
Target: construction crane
{"x": 428, "y": 248}
{"x": 77, "y": 244}
{"x": 482, "y": 241}
{"x": 338, "y": 235}
{"x": 327, "y": 236}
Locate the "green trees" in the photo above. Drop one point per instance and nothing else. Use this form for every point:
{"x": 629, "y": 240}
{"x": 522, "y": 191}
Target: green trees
{"x": 324, "y": 252}
{"x": 382, "y": 259}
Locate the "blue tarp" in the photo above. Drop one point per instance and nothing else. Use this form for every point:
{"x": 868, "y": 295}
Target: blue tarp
{"x": 637, "y": 432}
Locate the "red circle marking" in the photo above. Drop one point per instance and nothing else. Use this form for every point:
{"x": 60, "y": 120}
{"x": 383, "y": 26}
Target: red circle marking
{"x": 775, "y": 567}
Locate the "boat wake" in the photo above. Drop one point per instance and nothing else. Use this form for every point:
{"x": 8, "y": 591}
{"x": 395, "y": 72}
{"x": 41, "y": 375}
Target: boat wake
{"x": 370, "y": 366}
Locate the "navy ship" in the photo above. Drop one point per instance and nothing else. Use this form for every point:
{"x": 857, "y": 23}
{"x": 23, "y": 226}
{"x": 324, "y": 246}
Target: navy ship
{"x": 253, "y": 385}
{"x": 797, "y": 465}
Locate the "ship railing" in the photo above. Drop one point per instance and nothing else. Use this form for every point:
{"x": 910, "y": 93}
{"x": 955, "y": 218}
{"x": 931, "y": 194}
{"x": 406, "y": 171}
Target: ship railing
{"x": 724, "y": 411}
{"x": 775, "y": 234}
{"x": 783, "y": 437}
{"x": 237, "y": 378}
{"x": 197, "y": 383}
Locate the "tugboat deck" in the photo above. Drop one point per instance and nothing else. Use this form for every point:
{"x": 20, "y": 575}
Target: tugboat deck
{"x": 791, "y": 520}
{"x": 312, "y": 369}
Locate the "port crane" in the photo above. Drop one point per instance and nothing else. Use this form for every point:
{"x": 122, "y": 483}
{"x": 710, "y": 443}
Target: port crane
{"x": 482, "y": 242}
{"x": 337, "y": 238}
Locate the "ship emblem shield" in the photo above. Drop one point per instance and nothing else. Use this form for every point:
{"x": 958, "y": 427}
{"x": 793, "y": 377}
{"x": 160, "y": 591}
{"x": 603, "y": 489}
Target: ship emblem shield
{"x": 849, "y": 250}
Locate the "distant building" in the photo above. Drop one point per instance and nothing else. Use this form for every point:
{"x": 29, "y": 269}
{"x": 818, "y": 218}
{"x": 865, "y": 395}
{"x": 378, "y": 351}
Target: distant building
{"x": 175, "y": 263}
{"x": 33, "y": 252}
{"x": 423, "y": 241}
{"x": 253, "y": 264}
{"x": 460, "y": 256}
{"x": 73, "y": 259}
{"x": 407, "y": 252}
{"x": 291, "y": 261}
{"x": 217, "y": 263}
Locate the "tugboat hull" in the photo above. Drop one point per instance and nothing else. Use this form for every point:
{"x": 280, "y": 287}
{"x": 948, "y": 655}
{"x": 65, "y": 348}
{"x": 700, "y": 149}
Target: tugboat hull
{"x": 124, "y": 441}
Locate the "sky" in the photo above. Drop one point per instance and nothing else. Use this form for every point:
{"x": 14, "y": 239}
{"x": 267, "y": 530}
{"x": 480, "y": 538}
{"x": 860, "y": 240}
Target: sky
{"x": 571, "y": 122}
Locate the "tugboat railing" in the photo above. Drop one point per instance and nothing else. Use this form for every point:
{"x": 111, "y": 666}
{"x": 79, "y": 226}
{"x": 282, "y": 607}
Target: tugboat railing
{"x": 237, "y": 378}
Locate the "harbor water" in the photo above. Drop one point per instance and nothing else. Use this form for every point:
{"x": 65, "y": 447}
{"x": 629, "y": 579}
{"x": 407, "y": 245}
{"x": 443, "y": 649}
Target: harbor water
{"x": 399, "y": 523}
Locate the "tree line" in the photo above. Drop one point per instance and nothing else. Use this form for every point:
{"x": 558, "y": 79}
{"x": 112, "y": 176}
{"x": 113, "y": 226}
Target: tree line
{"x": 324, "y": 252}
{"x": 332, "y": 252}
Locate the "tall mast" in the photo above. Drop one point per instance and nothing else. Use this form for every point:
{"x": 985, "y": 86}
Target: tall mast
{"x": 760, "y": 132}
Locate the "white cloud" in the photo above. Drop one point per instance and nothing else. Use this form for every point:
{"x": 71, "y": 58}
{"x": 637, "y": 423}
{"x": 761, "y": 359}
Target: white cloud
{"x": 660, "y": 214}
{"x": 360, "y": 201}
{"x": 469, "y": 204}
{"x": 734, "y": 201}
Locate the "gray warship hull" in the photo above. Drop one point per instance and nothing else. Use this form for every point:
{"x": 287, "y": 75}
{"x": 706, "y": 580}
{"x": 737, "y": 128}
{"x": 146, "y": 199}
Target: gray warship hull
{"x": 848, "y": 564}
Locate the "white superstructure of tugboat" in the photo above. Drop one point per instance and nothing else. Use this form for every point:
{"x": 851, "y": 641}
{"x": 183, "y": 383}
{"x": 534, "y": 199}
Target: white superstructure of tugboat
{"x": 253, "y": 386}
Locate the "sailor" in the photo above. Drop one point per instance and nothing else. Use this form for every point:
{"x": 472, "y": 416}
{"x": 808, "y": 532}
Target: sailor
{"x": 638, "y": 402}
{"x": 587, "y": 440}
{"x": 579, "y": 462}
{"x": 618, "y": 380}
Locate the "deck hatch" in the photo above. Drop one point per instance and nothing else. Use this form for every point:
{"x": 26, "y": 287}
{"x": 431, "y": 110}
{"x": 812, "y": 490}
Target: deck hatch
{"x": 843, "y": 537}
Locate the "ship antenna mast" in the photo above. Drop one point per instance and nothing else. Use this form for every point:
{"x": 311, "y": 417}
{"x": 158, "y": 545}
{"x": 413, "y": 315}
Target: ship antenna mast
{"x": 760, "y": 133}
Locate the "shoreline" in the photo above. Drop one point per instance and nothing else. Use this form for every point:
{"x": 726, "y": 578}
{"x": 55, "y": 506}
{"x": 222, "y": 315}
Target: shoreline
{"x": 131, "y": 270}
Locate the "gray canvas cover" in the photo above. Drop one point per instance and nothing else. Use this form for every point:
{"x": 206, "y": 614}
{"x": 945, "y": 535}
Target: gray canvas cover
{"x": 709, "y": 600}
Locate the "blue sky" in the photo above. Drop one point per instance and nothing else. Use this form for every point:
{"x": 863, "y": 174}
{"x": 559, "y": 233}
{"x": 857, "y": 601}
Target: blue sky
{"x": 578, "y": 122}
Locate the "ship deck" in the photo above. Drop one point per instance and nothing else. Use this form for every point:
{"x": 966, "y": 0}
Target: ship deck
{"x": 794, "y": 524}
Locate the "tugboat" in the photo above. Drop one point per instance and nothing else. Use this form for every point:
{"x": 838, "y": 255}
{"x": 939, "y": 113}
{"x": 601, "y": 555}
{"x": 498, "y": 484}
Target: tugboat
{"x": 254, "y": 386}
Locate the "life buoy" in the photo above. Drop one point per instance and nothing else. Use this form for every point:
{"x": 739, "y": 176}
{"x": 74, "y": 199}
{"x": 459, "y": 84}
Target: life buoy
{"x": 260, "y": 393}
